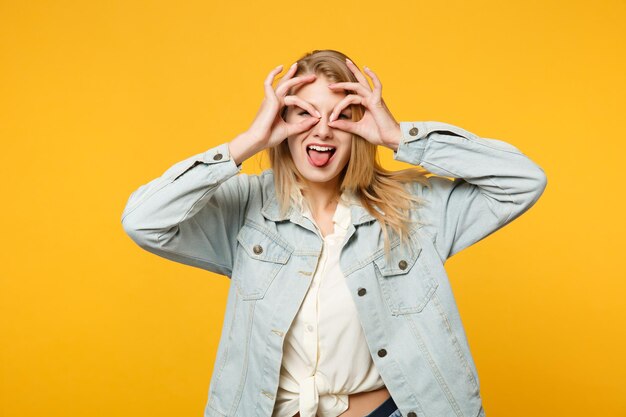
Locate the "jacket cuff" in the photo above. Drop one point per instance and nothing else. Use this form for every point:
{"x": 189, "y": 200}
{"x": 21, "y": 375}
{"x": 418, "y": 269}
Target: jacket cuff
{"x": 219, "y": 156}
{"x": 412, "y": 143}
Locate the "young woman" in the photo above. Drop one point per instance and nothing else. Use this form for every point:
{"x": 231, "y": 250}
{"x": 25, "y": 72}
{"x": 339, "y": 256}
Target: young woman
{"x": 340, "y": 304}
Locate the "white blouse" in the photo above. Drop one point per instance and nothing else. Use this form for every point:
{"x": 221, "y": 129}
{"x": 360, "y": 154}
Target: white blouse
{"x": 325, "y": 354}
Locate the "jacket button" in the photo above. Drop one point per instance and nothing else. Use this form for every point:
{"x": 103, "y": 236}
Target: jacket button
{"x": 413, "y": 132}
{"x": 411, "y": 414}
{"x": 362, "y": 292}
{"x": 217, "y": 156}
{"x": 257, "y": 249}
{"x": 382, "y": 352}
{"x": 402, "y": 264}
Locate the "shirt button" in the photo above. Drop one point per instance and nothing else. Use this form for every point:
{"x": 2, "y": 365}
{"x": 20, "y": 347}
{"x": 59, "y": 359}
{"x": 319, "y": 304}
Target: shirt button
{"x": 402, "y": 264}
{"x": 217, "y": 156}
{"x": 257, "y": 249}
{"x": 411, "y": 414}
{"x": 382, "y": 352}
{"x": 413, "y": 131}
{"x": 361, "y": 292}
{"x": 309, "y": 328}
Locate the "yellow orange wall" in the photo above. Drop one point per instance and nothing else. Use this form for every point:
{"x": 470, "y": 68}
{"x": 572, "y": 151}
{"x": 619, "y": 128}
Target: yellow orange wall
{"x": 97, "y": 98}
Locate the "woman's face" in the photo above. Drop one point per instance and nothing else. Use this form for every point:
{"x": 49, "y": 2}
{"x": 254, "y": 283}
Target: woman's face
{"x": 320, "y": 166}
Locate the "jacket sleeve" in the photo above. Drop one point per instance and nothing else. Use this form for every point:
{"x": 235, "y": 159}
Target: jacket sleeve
{"x": 193, "y": 212}
{"x": 492, "y": 182}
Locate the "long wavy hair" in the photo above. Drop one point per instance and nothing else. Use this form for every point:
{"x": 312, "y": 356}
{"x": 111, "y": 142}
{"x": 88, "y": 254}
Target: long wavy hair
{"x": 363, "y": 177}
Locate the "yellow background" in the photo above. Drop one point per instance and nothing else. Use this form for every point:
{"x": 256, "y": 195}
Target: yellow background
{"x": 98, "y": 98}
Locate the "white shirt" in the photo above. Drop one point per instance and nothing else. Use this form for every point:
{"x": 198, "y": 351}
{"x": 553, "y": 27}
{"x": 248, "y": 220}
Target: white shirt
{"x": 325, "y": 354}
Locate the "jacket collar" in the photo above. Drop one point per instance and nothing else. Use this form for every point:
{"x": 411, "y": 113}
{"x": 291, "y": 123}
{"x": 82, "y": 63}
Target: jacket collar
{"x": 271, "y": 207}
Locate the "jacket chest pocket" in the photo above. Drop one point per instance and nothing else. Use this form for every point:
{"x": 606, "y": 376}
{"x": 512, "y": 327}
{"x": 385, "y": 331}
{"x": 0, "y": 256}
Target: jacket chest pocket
{"x": 260, "y": 256}
{"x": 405, "y": 279}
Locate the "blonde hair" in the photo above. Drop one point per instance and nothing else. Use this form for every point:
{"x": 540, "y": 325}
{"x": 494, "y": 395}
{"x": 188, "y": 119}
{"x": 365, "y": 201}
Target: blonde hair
{"x": 362, "y": 177}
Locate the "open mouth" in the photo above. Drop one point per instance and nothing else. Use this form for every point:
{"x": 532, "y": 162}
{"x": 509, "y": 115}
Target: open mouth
{"x": 320, "y": 156}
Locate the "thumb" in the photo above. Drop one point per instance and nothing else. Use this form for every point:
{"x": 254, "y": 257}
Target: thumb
{"x": 342, "y": 125}
{"x": 304, "y": 125}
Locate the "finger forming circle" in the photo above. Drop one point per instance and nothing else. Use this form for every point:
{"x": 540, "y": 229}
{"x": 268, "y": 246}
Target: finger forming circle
{"x": 282, "y": 89}
{"x": 297, "y": 101}
{"x": 345, "y": 102}
{"x": 354, "y": 86}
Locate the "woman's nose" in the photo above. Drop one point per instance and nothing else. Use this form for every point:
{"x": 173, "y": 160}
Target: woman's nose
{"x": 322, "y": 126}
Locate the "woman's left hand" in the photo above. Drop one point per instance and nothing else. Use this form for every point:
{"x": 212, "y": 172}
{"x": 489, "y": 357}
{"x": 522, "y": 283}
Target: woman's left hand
{"x": 377, "y": 125}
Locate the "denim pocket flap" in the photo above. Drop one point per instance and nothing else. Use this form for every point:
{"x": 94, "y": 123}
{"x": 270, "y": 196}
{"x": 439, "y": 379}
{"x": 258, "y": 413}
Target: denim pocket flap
{"x": 260, "y": 244}
{"x": 401, "y": 260}
{"x": 406, "y": 281}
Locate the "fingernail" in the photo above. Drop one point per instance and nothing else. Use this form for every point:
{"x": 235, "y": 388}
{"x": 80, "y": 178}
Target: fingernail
{"x": 318, "y": 113}
{"x": 349, "y": 61}
{"x": 294, "y": 64}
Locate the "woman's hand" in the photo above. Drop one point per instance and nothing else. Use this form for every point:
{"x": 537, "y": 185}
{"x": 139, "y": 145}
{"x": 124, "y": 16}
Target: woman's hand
{"x": 268, "y": 128}
{"x": 377, "y": 125}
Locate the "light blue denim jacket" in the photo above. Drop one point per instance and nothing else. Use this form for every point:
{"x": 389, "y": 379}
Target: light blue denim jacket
{"x": 201, "y": 213}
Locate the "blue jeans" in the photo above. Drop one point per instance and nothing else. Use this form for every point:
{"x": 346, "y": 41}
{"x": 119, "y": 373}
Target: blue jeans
{"x": 386, "y": 409}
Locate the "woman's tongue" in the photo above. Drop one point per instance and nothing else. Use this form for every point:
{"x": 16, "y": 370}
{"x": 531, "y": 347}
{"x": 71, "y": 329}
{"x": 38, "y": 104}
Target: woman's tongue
{"x": 319, "y": 158}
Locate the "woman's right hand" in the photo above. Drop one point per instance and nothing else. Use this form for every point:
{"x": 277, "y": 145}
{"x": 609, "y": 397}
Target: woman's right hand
{"x": 268, "y": 128}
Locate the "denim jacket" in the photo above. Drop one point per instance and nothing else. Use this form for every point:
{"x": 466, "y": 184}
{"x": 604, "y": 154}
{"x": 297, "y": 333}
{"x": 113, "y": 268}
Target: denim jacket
{"x": 201, "y": 213}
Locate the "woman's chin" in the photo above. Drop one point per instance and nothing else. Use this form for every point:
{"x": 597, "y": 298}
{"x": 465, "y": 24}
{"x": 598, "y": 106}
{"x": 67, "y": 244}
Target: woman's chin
{"x": 317, "y": 176}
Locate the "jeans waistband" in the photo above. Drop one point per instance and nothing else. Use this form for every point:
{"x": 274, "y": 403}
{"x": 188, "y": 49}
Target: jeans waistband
{"x": 385, "y": 409}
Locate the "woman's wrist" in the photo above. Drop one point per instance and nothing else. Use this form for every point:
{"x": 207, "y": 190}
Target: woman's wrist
{"x": 393, "y": 141}
{"x": 244, "y": 146}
